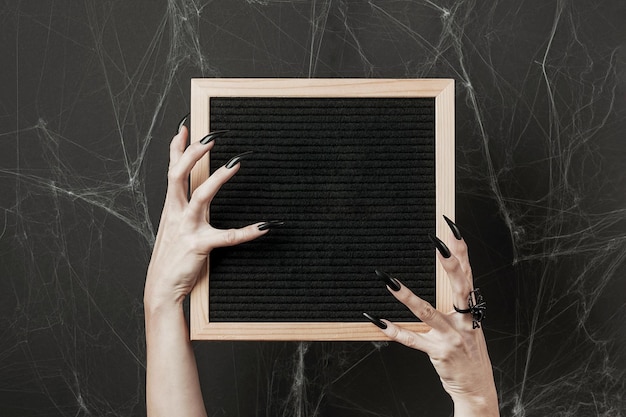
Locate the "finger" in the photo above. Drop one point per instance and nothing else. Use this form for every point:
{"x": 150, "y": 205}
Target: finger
{"x": 460, "y": 279}
{"x": 231, "y": 237}
{"x": 407, "y": 338}
{"x": 457, "y": 244}
{"x": 178, "y": 174}
{"x": 175, "y": 195}
{"x": 204, "y": 194}
{"x": 421, "y": 308}
{"x": 459, "y": 248}
{"x": 183, "y": 165}
{"x": 196, "y": 150}
{"x": 177, "y": 145}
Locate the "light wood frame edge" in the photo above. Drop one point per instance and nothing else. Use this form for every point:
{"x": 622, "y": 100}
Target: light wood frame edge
{"x": 443, "y": 92}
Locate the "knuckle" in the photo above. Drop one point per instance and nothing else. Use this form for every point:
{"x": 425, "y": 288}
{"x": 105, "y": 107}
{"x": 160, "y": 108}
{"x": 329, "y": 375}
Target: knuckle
{"x": 449, "y": 347}
{"x": 462, "y": 249}
{"x": 426, "y": 312}
{"x": 197, "y": 245}
{"x": 221, "y": 176}
{"x": 422, "y": 309}
{"x": 175, "y": 174}
{"x": 408, "y": 298}
{"x": 456, "y": 342}
{"x": 189, "y": 242}
{"x": 201, "y": 195}
{"x": 231, "y": 237}
{"x": 394, "y": 333}
{"x": 404, "y": 337}
{"x": 408, "y": 339}
{"x": 454, "y": 266}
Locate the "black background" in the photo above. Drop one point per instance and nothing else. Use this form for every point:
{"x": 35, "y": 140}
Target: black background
{"x": 92, "y": 93}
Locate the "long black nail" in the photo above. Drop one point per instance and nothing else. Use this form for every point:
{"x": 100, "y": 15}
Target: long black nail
{"x": 441, "y": 247}
{"x": 454, "y": 228}
{"x": 389, "y": 280}
{"x": 182, "y": 122}
{"x": 270, "y": 224}
{"x": 212, "y": 136}
{"x": 235, "y": 159}
{"x": 376, "y": 321}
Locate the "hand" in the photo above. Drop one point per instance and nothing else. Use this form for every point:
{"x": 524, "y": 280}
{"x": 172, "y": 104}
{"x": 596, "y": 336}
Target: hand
{"x": 183, "y": 243}
{"x": 185, "y": 237}
{"x": 456, "y": 349}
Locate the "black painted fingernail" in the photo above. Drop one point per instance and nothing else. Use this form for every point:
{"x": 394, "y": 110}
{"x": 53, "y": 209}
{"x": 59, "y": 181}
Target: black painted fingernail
{"x": 376, "y": 321}
{"x": 441, "y": 247}
{"x": 389, "y": 280}
{"x": 212, "y": 136}
{"x": 235, "y": 160}
{"x": 270, "y": 224}
{"x": 454, "y": 228}
{"x": 182, "y": 122}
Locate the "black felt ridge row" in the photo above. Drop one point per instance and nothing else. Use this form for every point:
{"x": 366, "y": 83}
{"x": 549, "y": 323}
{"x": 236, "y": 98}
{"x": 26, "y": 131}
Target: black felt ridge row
{"x": 354, "y": 181}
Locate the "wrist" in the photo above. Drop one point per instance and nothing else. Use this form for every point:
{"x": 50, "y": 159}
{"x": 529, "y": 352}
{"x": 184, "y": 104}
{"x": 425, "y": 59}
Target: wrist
{"x": 154, "y": 303}
{"x": 477, "y": 405}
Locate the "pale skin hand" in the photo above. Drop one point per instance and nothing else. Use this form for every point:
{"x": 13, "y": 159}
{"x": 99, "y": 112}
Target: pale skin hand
{"x": 184, "y": 240}
{"x": 457, "y": 351}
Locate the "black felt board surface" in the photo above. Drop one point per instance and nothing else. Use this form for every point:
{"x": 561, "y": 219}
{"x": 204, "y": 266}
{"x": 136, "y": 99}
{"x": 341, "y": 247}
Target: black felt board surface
{"x": 354, "y": 181}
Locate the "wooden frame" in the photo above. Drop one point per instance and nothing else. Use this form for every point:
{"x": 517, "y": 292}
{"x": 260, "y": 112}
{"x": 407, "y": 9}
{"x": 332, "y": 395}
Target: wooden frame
{"x": 442, "y": 90}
